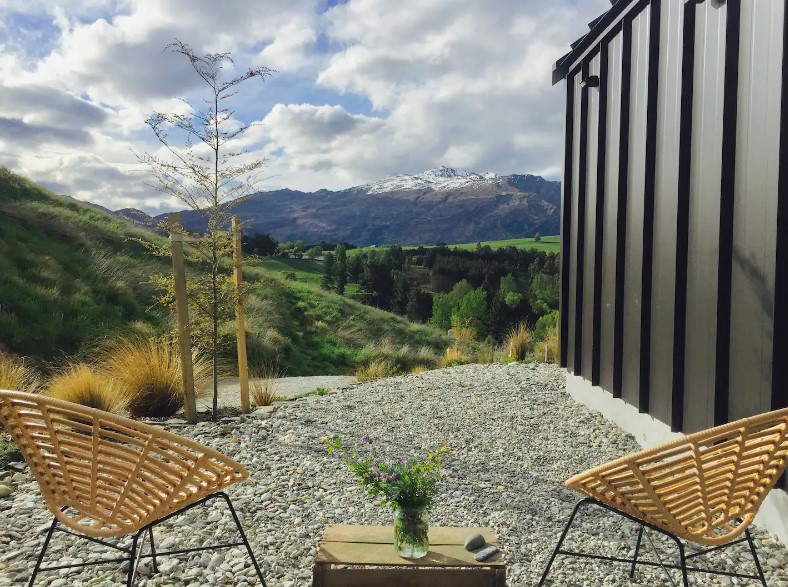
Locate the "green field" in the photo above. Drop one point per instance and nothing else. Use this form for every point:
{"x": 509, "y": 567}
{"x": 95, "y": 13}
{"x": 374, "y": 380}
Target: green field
{"x": 550, "y": 244}
{"x": 304, "y": 270}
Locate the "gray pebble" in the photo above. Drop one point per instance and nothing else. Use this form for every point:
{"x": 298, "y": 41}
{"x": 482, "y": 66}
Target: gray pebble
{"x": 474, "y": 541}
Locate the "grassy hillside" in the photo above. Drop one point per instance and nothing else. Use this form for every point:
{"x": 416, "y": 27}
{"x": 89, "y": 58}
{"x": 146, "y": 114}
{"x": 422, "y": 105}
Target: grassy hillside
{"x": 70, "y": 275}
{"x": 550, "y": 244}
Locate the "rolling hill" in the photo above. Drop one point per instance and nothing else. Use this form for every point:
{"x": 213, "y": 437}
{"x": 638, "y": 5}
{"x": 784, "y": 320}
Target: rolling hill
{"x": 72, "y": 274}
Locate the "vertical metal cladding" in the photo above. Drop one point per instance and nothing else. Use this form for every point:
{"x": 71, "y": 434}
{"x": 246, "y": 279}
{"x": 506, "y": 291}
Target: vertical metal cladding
{"x": 666, "y": 184}
{"x": 780, "y": 322}
{"x": 754, "y": 208}
{"x": 623, "y": 199}
{"x": 727, "y": 192}
{"x": 609, "y": 224}
{"x": 684, "y": 189}
{"x": 580, "y": 245}
{"x": 590, "y": 205}
{"x": 599, "y": 215}
{"x": 676, "y": 219}
{"x": 652, "y": 103}
{"x": 704, "y": 217}
{"x": 633, "y": 247}
{"x": 571, "y": 253}
{"x": 566, "y": 218}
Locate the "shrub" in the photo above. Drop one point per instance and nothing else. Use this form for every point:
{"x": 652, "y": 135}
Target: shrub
{"x": 148, "y": 374}
{"x": 83, "y": 385}
{"x": 547, "y": 349}
{"x": 15, "y": 375}
{"x": 455, "y": 356}
{"x": 377, "y": 369}
{"x": 518, "y": 341}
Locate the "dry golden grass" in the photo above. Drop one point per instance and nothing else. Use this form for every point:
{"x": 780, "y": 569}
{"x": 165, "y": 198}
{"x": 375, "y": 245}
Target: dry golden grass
{"x": 518, "y": 341}
{"x": 262, "y": 385}
{"x": 547, "y": 350}
{"x": 83, "y": 385}
{"x": 419, "y": 369}
{"x": 455, "y": 356}
{"x": 16, "y": 376}
{"x": 148, "y": 374}
{"x": 463, "y": 336}
{"x": 377, "y": 369}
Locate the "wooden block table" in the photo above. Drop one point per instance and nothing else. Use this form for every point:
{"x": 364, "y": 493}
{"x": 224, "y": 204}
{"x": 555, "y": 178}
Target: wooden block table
{"x": 369, "y": 552}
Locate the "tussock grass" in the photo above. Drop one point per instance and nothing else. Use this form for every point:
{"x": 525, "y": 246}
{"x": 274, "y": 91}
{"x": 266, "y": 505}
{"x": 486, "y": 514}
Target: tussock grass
{"x": 455, "y": 356}
{"x": 16, "y": 376}
{"x": 262, "y": 385}
{"x": 81, "y": 384}
{"x": 148, "y": 374}
{"x": 547, "y": 349}
{"x": 463, "y": 336}
{"x": 518, "y": 341}
{"x": 377, "y": 369}
{"x": 419, "y": 369}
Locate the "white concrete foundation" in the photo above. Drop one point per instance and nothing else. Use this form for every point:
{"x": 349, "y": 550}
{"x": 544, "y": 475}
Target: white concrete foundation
{"x": 649, "y": 431}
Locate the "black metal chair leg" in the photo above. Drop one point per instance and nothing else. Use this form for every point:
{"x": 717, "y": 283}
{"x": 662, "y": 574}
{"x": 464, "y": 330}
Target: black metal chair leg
{"x": 133, "y": 561}
{"x": 580, "y": 503}
{"x": 43, "y": 551}
{"x": 755, "y": 557}
{"x": 637, "y": 551}
{"x": 683, "y": 560}
{"x": 243, "y": 536}
{"x": 153, "y": 551}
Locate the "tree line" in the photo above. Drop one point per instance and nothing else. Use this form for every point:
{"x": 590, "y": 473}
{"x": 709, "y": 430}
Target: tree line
{"x": 485, "y": 291}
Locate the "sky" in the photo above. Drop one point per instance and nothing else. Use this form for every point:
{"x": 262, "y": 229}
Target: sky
{"x": 362, "y": 89}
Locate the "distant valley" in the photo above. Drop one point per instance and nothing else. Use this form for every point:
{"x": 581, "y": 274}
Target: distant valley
{"x": 440, "y": 205}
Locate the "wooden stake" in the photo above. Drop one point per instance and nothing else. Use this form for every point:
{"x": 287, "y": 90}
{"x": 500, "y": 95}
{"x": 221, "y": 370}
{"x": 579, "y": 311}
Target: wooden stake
{"x": 240, "y": 323}
{"x": 182, "y": 310}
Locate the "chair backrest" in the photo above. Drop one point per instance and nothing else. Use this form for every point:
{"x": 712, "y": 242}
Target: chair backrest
{"x": 705, "y": 487}
{"x": 104, "y": 475}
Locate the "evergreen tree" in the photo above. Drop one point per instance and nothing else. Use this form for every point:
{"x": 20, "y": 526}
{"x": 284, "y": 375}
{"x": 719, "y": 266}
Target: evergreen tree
{"x": 328, "y": 271}
{"x": 341, "y": 269}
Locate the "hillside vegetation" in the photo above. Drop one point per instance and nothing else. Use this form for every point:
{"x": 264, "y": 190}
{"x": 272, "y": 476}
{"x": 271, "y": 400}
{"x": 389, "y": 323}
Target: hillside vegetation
{"x": 71, "y": 275}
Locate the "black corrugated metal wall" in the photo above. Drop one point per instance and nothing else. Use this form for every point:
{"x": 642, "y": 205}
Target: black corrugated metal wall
{"x": 675, "y": 218}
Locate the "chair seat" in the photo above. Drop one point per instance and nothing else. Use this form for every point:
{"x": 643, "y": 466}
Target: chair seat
{"x": 705, "y": 487}
{"x": 103, "y": 475}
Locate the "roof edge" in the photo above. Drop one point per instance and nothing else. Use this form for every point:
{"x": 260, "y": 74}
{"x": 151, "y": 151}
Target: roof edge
{"x": 597, "y": 27}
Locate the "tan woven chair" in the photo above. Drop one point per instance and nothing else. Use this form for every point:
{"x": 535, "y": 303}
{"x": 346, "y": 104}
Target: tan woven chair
{"x": 704, "y": 488}
{"x": 105, "y": 476}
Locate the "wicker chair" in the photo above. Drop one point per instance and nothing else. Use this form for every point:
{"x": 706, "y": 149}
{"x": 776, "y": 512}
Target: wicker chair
{"x": 104, "y": 476}
{"x": 704, "y": 488}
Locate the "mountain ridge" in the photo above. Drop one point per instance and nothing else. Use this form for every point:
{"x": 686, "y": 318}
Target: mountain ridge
{"x": 438, "y": 205}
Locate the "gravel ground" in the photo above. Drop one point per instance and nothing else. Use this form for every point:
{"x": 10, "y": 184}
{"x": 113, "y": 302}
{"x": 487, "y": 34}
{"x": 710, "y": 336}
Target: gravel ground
{"x": 514, "y": 434}
{"x": 289, "y": 387}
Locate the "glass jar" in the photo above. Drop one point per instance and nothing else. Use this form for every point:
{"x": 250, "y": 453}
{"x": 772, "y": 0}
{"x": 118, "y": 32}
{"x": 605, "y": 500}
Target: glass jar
{"x": 410, "y": 532}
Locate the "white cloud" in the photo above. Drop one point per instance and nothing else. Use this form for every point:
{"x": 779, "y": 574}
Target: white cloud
{"x": 454, "y": 82}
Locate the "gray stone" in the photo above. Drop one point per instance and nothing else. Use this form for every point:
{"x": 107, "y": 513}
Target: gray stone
{"x": 5, "y": 490}
{"x": 474, "y": 541}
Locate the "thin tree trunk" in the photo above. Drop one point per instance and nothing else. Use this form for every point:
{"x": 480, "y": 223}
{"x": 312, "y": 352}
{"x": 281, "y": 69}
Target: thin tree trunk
{"x": 215, "y": 267}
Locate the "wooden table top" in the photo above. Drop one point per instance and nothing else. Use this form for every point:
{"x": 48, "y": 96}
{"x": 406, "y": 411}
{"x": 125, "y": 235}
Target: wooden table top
{"x": 374, "y": 545}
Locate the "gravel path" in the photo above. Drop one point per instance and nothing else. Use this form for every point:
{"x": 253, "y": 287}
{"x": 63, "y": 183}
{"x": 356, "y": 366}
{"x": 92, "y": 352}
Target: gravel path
{"x": 514, "y": 435}
{"x": 289, "y": 387}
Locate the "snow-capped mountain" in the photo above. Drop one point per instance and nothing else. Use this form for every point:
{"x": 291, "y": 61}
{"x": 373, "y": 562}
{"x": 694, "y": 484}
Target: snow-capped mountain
{"x": 442, "y": 178}
{"x": 439, "y": 205}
